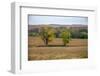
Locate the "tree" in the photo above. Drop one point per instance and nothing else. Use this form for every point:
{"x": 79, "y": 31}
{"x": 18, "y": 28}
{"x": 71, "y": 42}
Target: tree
{"x": 83, "y": 35}
{"x": 47, "y": 34}
{"x": 66, "y": 36}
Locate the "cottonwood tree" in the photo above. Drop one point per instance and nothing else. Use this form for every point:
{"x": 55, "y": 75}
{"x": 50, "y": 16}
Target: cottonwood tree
{"x": 47, "y": 34}
{"x": 66, "y": 36}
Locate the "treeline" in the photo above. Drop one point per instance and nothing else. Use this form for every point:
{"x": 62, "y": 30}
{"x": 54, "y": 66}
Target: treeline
{"x": 75, "y": 32}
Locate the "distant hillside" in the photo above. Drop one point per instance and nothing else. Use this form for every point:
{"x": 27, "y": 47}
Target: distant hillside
{"x": 74, "y": 26}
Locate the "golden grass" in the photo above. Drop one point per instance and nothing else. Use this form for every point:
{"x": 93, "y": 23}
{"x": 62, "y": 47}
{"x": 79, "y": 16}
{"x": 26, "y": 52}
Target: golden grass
{"x": 77, "y": 48}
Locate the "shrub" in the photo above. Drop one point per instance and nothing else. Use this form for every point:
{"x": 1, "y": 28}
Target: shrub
{"x": 83, "y": 35}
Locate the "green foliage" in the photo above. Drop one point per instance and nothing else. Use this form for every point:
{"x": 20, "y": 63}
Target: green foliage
{"x": 66, "y": 36}
{"x": 83, "y": 30}
{"x": 32, "y": 34}
{"x": 83, "y": 35}
{"x": 47, "y": 34}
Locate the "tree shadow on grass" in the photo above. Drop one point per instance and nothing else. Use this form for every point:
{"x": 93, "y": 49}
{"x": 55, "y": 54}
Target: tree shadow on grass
{"x": 51, "y": 46}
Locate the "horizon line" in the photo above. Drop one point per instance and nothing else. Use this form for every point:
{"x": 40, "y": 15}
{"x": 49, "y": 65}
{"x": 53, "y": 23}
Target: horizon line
{"x": 57, "y": 24}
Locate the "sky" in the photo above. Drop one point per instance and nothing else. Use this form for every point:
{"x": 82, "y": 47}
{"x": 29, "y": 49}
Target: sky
{"x": 35, "y": 20}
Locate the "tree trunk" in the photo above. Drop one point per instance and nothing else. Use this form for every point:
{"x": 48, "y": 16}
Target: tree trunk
{"x": 46, "y": 42}
{"x": 64, "y": 44}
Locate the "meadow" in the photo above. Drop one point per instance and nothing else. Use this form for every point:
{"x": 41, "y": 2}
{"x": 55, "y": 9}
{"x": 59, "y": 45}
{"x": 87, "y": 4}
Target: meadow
{"x": 75, "y": 49}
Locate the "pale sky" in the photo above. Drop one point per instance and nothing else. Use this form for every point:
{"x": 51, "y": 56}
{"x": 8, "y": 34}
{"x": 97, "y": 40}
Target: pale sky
{"x": 35, "y": 20}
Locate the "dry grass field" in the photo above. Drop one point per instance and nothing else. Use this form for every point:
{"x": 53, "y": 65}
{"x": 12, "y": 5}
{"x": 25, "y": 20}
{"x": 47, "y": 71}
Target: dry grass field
{"x": 76, "y": 48}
